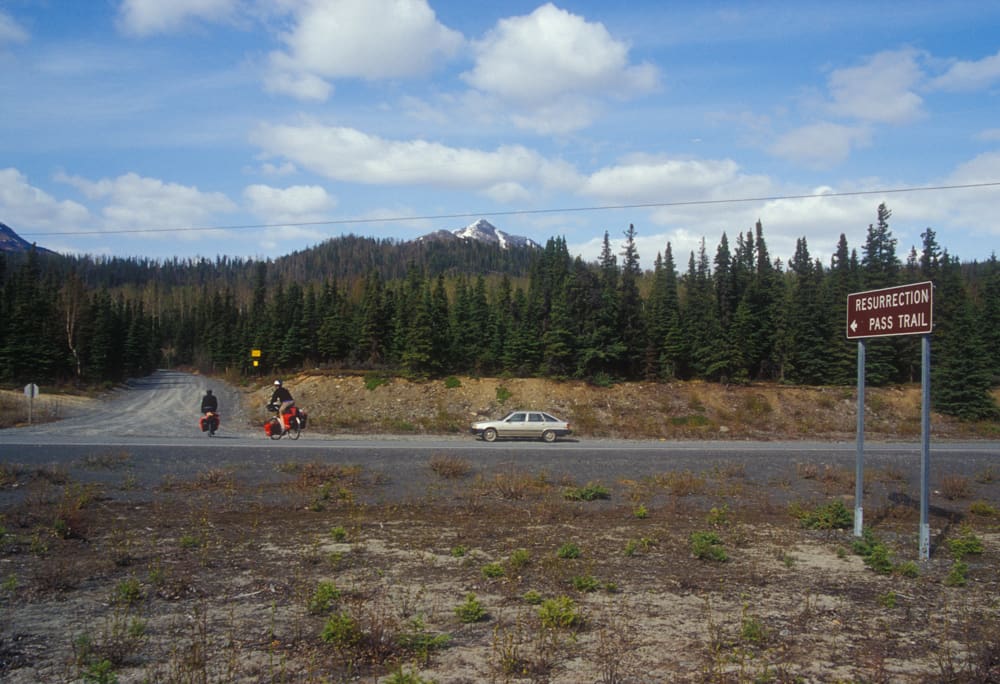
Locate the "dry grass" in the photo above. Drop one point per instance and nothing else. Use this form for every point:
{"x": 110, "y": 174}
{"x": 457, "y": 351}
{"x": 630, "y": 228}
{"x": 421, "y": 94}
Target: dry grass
{"x": 450, "y": 467}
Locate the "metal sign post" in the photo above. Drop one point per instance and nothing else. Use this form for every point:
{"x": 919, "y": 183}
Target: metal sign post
{"x": 925, "y": 446}
{"x": 892, "y": 311}
{"x": 859, "y": 460}
{"x": 30, "y": 391}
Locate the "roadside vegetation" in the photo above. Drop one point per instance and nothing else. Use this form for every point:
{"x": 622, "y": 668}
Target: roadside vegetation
{"x": 497, "y": 574}
{"x": 439, "y": 311}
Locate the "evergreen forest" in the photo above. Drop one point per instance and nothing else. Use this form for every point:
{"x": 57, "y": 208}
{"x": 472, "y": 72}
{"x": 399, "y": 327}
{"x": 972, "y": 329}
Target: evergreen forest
{"x": 430, "y": 308}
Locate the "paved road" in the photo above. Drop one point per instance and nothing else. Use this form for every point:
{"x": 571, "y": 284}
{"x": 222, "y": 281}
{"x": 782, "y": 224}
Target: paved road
{"x": 154, "y": 422}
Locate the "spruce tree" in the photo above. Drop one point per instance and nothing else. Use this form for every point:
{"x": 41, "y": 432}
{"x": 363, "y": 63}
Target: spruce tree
{"x": 960, "y": 368}
{"x": 630, "y": 313}
{"x": 841, "y": 353}
{"x": 806, "y": 332}
{"x": 880, "y": 269}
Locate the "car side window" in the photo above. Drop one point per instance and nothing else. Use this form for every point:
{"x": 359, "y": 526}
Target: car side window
{"x": 550, "y": 419}
{"x": 535, "y": 418}
{"x": 516, "y": 418}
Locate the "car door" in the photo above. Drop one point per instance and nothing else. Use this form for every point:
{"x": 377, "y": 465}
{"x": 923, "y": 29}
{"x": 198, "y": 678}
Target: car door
{"x": 514, "y": 425}
{"x": 535, "y": 425}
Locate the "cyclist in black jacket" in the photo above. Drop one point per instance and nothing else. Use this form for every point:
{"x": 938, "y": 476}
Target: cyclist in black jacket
{"x": 282, "y": 395}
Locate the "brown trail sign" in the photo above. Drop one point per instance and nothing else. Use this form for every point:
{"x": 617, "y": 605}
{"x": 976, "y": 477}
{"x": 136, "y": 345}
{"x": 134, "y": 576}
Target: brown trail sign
{"x": 902, "y": 310}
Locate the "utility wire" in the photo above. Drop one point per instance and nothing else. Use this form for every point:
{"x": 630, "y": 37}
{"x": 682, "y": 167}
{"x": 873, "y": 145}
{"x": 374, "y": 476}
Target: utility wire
{"x": 526, "y": 212}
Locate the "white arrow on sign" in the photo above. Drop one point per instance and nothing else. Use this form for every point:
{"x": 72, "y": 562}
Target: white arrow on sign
{"x": 854, "y": 326}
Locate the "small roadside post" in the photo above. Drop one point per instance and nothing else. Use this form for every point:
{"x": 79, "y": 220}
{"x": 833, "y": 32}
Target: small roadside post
{"x": 30, "y": 391}
{"x": 892, "y": 311}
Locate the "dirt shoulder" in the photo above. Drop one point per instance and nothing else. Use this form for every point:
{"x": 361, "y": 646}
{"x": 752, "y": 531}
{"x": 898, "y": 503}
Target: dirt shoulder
{"x": 683, "y": 410}
{"x": 354, "y": 403}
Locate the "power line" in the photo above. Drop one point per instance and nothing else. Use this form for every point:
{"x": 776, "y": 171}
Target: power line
{"x": 527, "y": 212}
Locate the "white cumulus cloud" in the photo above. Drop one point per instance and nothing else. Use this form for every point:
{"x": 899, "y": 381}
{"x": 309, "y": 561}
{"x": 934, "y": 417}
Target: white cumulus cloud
{"x": 134, "y": 202}
{"x": 880, "y": 90}
{"x": 148, "y": 17}
{"x": 350, "y": 155}
{"x": 821, "y": 144}
{"x": 651, "y": 180}
{"x": 551, "y": 64}
{"x": 26, "y": 208}
{"x": 970, "y": 75}
{"x": 295, "y": 204}
{"x": 369, "y": 39}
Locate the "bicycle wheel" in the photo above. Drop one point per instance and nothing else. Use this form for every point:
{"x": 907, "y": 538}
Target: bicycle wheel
{"x": 275, "y": 429}
{"x": 294, "y": 428}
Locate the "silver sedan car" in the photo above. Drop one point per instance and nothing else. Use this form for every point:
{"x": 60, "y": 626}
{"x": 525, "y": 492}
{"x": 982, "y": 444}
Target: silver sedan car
{"x": 522, "y": 424}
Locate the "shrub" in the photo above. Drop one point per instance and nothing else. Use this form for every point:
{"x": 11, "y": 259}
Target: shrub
{"x": 503, "y": 394}
{"x": 958, "y": 576}
{"x": 416, "y": 639}
{"x": 373, "y": 382}
{"x": 640, "y": 512}
{"x": 519, "y": 558}
{"x": 451, "y": 382}
{"x": 342, "y": 631}
{"x": 633, "y": 546}
{"x": 591, "y": 492}
{"x": 719, "y": 516}
{"x": 322, "y": 599}
{"x": 966, "y": 544}
{"x": 568, "y": 550}
{"x": 586, "y": 583}
{"x": 707, "y": 546}
{"x": 532, "y": 597}
{"x": 874, "y": 553}
{"x": 339, "y": 534}
{"x": 982, "y": 508}
{"x": 752, "y": 629}
{"x": 470, "y": 610}
{"x": 831, "y": 516}
{"x": 402, "y": 677}
{"x": 493, "y": 570}
{"x": 128, "y": 591}
{"x": 559, "y": 613}
{"x": 888, "y": 599}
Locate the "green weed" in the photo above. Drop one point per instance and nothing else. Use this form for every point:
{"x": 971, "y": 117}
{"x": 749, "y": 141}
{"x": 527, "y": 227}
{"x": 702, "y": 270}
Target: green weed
{"x": 707, "y": 546}
{"x": 958, "y": 575}
{"x": 830, "y": 516}
{"x": 493, "y": 570}
{"x": 559, "y": 613}
{"x": 966, "y": 544}
{"x": 591, "y": 492}
{"x": 568, "y": 550}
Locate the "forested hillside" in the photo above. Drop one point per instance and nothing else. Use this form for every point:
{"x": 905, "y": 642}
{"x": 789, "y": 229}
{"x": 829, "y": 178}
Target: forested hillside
{"x": 427, "y": 309}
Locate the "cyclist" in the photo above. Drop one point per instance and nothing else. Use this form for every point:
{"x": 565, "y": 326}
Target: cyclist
{"x": 282, "y": 395}
{"x": 209, "y": 410}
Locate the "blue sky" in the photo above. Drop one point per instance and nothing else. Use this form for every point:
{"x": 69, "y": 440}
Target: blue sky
{"x": 163, "y": 129}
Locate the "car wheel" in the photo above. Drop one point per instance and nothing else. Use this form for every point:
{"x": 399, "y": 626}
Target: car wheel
{"x": 490, "y": 435}
{"x": 549, "y": 436}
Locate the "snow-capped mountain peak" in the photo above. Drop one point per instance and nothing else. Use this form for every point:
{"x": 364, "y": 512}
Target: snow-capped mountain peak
{"x": 484, "y": 231}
